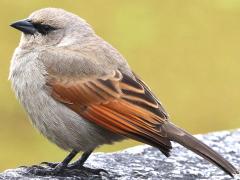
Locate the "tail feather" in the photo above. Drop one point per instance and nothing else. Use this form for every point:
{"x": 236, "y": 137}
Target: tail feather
{"x": 190, "y": 142}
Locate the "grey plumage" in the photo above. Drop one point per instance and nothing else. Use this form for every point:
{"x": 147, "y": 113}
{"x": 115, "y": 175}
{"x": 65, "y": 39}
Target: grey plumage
{"x": 28, "y": 76}
{"x": 80, "y": 92}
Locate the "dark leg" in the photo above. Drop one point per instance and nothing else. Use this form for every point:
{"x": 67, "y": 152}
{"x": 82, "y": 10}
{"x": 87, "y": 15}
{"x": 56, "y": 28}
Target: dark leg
{"x": 74, "y": 165}
{"x": 66, "y": 161}
{"x": 81, "y": 161}
{"x": 57, "y": 168}
{"x": 79, "y": 164}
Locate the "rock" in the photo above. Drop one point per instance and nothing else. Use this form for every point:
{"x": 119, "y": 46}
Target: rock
{"x": 145, "y": 162}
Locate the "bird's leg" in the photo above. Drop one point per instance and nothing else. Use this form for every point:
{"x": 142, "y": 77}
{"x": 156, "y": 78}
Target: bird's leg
{"x": 74, "y": 165}
{"x": 81, "y": 161}
{"x": 58, "y": 168}
{"x": 79, "y": 164}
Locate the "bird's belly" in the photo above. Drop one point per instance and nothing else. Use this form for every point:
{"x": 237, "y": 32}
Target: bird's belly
{"x": 63, "y": 126}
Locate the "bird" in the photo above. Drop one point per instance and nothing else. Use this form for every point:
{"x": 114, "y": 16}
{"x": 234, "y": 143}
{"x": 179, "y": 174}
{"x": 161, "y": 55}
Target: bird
{"x": 81, "y": 93}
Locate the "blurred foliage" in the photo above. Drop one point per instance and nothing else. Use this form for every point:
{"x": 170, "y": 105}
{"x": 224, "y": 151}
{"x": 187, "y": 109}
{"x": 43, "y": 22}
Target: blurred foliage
{"x": 187, "y": 51}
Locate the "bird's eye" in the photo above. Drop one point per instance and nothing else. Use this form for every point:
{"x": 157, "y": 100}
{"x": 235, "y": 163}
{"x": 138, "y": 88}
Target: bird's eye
{"x": 44, "y": 29}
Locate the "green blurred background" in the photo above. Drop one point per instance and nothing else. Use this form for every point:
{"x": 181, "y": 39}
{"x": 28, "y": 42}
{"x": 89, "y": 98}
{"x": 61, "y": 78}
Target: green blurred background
{"x": 187, "y": 51}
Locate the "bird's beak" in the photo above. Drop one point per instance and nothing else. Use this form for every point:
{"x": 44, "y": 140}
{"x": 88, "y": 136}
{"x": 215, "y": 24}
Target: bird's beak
{"x": 25, "y": 26}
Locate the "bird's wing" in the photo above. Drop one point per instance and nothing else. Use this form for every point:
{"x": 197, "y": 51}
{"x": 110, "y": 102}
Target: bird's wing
{"x": 116, "y": 102}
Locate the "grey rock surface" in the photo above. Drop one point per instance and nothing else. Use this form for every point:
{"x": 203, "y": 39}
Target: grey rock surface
{"x": 145, "y": 162}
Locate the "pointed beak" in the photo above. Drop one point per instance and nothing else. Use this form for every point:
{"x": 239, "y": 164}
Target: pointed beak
{"x": 25, "y": 26}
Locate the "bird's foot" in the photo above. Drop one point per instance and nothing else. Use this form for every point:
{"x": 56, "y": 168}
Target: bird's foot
{"x": 57, "y": 168}
{"x": 76, "y": 166}
{"x": 50, "y": 164}
{"x": 86, "y": 169}
{"x": 46, "y": 171}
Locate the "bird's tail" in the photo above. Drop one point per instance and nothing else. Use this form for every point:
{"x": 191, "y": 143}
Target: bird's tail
{"x": 180, "y": 136}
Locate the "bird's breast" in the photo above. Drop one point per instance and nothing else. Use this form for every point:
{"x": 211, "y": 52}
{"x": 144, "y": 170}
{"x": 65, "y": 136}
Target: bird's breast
{"x": 28, "y": 82}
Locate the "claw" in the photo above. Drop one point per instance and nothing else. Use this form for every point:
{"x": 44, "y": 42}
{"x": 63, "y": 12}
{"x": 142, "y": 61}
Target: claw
{"x": 53, "y": 169}
{"x": 37, "y": 166}
{"x": 44, "y": 171}
{"x": 96, "y": 171}
{"x": 50, "y": 164}
{"x": 93, "y": 171}
{"x": 23, "y": 166}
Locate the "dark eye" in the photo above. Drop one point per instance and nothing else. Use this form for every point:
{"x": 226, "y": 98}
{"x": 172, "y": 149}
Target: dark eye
{"x": 44, "y": 29}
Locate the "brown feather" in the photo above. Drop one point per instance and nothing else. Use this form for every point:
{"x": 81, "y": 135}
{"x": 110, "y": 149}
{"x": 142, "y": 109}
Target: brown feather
{"x": 125, "y": 105}
{"x": 116, "y": 102}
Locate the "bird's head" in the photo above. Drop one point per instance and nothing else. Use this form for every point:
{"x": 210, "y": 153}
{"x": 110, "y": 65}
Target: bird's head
{"x": 52, "y": 27}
